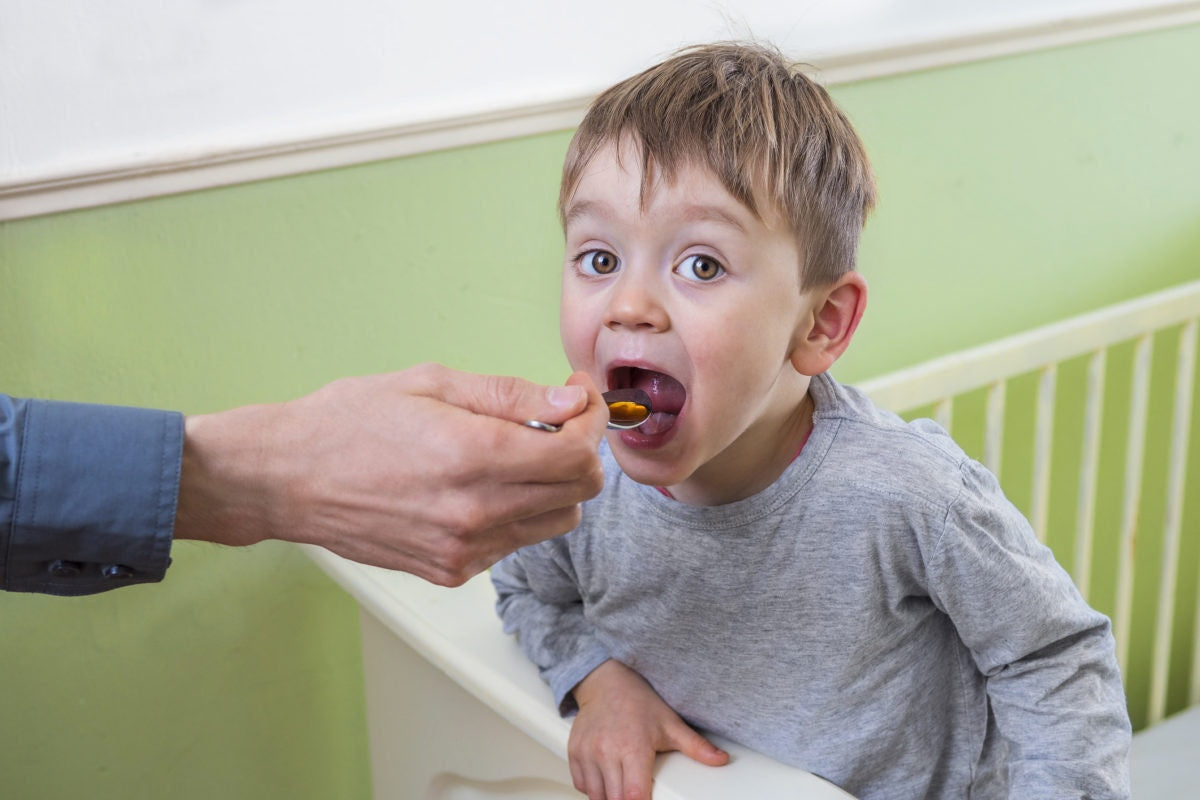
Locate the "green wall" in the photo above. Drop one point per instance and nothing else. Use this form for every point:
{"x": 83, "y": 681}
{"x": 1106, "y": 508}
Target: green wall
{"x": 1014, "y": 192}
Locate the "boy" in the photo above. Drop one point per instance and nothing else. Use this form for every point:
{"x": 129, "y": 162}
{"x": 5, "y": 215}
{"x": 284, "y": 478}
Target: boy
{"x": 773, "y": 558}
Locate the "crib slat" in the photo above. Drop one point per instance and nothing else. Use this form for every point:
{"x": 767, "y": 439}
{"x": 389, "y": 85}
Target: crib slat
{"x": 1085, "y": 517}
{"x": 943, "y": 412}
{"x": 1139, "y": 396}
{"x": 1043, "y": 437}
{"x": 1174, "y": 518}
{"x": 994, "y": 428}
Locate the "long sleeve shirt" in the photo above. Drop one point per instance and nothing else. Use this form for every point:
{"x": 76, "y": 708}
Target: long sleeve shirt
{"x": 87, "y": 495}
{"x": 881, "y": 616}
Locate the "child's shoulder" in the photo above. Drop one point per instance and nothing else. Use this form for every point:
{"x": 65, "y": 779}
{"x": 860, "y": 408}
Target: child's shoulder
{"x": 881, "y": 449}
{"x": 848, "y": 404}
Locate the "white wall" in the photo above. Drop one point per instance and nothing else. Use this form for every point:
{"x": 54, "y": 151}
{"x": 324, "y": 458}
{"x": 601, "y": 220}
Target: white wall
{"x": 118, "y": 92}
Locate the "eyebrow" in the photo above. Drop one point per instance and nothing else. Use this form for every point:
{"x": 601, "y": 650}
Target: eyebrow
{"x": 708, "y": 213}
{"x": 586, "y": 208}
{"x": 697, "y": 212}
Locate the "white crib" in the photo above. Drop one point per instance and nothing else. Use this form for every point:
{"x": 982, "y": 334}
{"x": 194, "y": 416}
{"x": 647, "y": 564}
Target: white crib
{"x": 456, "y": 712}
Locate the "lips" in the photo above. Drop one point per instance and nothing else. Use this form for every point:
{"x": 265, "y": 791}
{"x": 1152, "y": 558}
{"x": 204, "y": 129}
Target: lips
{"x": 667, "y": 396}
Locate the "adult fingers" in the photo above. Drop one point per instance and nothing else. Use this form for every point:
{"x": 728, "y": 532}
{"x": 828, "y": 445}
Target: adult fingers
{"x": 513, "y": 399}
{"x": 472, "y": 554}
{"x": 474, "y": 448}
{"x": 498, "y": 542}
{"x": 449, "y": 557}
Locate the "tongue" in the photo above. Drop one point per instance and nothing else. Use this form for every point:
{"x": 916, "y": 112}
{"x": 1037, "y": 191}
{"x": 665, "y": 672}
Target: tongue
{"x": 667, "y": 396}
{"x": 658, "y": 422}
{"x": 666, "y": 393}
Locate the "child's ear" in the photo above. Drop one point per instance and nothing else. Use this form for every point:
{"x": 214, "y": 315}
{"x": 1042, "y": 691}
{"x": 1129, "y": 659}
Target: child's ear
{"x": 826, "y": 333}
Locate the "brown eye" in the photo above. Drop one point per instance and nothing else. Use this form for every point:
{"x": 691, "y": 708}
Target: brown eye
{"x": 598, "y": 262}
{"x": 700, "y": 268}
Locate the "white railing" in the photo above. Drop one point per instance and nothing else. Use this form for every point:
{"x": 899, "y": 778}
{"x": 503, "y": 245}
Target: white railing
{"x": 990, "y": 367}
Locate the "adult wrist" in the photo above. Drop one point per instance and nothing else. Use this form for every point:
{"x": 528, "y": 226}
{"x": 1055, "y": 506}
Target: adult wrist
{"x": 225, "y": 486}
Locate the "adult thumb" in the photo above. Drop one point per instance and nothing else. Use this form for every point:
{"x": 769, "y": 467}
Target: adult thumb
{"x": 514, "y": 399}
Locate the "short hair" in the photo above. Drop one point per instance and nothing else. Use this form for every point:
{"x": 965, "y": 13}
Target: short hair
{"x": 770, "y": 134}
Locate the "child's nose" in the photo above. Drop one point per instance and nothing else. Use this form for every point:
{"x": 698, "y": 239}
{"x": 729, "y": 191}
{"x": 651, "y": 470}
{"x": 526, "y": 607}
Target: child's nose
{"x": 634, "y": 304}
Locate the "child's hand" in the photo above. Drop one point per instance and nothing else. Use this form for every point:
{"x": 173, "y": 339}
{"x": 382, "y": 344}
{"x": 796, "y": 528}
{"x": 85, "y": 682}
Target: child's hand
{"x": 621, "y": 726}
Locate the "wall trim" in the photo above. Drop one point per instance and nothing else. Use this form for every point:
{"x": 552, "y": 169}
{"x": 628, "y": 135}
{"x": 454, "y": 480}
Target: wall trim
{"x": 119, "y": 183}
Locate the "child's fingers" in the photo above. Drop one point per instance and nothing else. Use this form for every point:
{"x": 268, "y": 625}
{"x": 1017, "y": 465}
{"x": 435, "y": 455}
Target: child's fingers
{"x": 588, "y": 778}
{"x": 614, "y": 781}
{"x": 687, "y": 741}
{"x": 637, "y": 776}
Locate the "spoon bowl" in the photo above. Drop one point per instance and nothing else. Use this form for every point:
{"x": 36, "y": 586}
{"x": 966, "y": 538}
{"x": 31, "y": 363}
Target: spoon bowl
{"x": 627, "y": 408}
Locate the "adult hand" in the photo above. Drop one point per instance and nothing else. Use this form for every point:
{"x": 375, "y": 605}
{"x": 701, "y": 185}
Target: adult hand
{"x": 428, "y": 470}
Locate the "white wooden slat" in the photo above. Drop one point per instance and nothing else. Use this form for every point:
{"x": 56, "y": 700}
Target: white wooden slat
{"x": 1139, "y": 401}
{"x": 1085, "y": 515}
{"x": 943, "y": 412}
{"x": 1043, "y": 438}
{"x": 1180, "y": 431}
{"x": 993, "y": 444}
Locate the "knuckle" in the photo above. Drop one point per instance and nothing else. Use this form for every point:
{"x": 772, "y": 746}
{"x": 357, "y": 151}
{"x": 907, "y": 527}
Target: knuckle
{"x": 461, "y": 464}
{"x": 583, "y": 461}
{"x": 508, "y": 392}
{"x": 470, "y": 517}
{"x": 457, "y": 550}
{"x": 426, "y": 377}
{"x": 451, "y": 579}
{"x": 571, "y": 517}
{"x": 594, "y": 480}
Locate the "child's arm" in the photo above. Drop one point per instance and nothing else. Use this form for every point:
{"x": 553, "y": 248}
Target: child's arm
{"x": 1050, "y": 662}
{"x": 621, "y": 726}
{"x": 622, "y": 722}
{"x": 538, "y": 600}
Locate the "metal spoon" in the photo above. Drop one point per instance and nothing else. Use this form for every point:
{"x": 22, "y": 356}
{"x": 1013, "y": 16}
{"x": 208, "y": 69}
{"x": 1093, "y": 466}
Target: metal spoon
{"x": 627, "y": 408}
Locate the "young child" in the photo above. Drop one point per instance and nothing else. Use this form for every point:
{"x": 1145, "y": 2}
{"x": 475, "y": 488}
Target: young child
{"x": 773, "y": 558}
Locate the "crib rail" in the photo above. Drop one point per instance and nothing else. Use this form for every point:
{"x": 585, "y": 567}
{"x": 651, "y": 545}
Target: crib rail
{"x": 937, "y": 385}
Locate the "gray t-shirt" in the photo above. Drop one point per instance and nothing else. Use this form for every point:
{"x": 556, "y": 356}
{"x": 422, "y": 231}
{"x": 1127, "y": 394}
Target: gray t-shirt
{"x": 881, "y": 616}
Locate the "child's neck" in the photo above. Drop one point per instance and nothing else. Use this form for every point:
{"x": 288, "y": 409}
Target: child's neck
{"x": 779, "y": 446}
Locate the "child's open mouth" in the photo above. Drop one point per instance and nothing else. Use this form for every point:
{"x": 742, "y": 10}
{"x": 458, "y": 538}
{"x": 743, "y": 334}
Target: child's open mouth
{"x": 667, "y": 396}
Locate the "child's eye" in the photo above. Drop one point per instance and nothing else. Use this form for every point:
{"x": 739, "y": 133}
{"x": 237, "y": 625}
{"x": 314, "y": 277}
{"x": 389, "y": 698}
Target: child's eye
{"x": 700, "y": 268}
{"x": 598, "y": 262}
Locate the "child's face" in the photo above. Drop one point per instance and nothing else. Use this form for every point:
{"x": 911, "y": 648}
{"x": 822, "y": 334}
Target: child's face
{"x": 698, "y": 302}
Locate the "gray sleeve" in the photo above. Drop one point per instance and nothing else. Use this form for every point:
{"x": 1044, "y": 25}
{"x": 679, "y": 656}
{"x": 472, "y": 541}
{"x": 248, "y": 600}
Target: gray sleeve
{"x": 1050, "y": 659}
{"x": 538, "y": 599}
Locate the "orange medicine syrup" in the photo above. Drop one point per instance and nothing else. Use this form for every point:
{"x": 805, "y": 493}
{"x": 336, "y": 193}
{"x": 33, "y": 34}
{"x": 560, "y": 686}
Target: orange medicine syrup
{"x": 627, "y": 412}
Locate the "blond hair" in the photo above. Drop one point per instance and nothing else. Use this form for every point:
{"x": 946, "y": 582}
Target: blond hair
{"x": 769, "y": 134}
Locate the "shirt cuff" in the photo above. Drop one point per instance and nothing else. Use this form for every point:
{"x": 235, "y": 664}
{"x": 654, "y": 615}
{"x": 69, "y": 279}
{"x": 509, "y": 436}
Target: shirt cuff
{"x": 566, "y": 677}
{"x": 94, "y": 506}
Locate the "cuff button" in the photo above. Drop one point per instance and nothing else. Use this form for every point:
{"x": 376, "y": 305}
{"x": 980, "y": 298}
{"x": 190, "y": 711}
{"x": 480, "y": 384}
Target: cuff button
{"x": 61, "y": 568}
{"x": 116, "y": 571}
